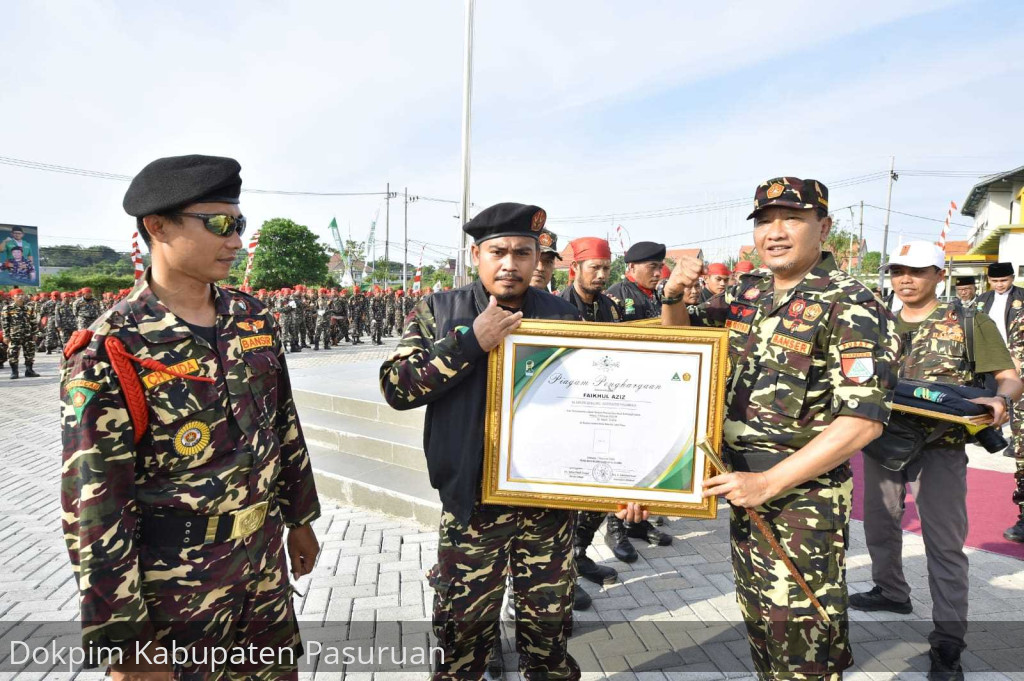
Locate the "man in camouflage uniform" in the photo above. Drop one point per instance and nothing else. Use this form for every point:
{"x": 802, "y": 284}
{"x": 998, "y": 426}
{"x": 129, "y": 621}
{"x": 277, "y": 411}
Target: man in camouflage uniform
{"x": 65, "y": 316}
{"x": 441, "y": 362}
{"x": 322, "y": 332}
{"x": 49, "y": 310}
{"x": 339, "y": 311}
{"x": 87, "y": 309}
{"x": 389, "y": 311}
{"x": 184, "y": 460}
{"x": 358, "y": 309}
{"x": 635, "y": 294}
{"x": 935, "y": 350}
{"x": 20, "y": 327}
{"x": 1015, "y": 344}
{"x": 377, "y": 306}
{"x": 813, "y": 357}
{"x": 541, "y": 277}
{"x": 309, "y": 315}
{"x": 291, "y": 319}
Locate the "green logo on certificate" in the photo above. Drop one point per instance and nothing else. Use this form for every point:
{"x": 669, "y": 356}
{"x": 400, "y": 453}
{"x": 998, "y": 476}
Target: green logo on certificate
{"x": 675, "y": 377}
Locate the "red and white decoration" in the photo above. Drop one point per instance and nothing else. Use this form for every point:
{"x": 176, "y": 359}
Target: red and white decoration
{"x": 252, "y": 252}
{"x": 137, "y": 257}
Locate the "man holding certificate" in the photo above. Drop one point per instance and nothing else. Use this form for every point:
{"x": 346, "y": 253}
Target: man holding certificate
{"x": 441, "y": 362}
{"x": 813, "y": 358}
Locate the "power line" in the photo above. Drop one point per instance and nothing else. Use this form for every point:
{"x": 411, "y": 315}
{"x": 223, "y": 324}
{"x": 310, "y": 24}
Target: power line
{"x": 919, "y": 217}
{"x": 67, "y": 170}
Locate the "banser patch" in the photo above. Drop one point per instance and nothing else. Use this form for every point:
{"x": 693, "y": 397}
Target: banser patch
{"x": 192, "y": 438}
{"x": 255, "y": 342}
{"x": 740, "y": 316}
{"x": 802, "y": 347}
{"x": 752, "y": 293}
{"x": 858, "y": 367}
{"x": 79, "y": 393}
{"x": 812, "y": 312}
{"x": 155, "y": 378}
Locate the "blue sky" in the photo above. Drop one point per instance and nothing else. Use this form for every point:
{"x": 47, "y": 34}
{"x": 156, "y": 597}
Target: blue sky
{"x": 585, "y": 108}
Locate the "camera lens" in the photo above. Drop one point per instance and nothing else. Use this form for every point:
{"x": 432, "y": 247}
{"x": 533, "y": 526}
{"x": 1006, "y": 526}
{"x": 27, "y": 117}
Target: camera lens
{"x": 991, "y": 439}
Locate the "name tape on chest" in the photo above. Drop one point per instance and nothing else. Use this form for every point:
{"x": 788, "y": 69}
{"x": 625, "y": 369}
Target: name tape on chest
{"x": 152, "y": 380}
{"x": 794, "y": 344}
{"x": 250, "y": 343}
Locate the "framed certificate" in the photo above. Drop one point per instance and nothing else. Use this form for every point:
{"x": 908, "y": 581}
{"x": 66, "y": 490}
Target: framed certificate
{"x": 588, "y": 416}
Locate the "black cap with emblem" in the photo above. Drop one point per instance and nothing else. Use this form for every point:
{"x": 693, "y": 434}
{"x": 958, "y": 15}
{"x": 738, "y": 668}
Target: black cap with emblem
{"x": 645, "y": 251}
{"x": 176, "y": 181}
{"x": 965, "y": 281}
{"x": 506, "y": 219}
{"x": 549, "y": 243}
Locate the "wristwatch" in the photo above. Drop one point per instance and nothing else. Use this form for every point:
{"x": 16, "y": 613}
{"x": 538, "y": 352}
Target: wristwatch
{"x": 660, "y": 290}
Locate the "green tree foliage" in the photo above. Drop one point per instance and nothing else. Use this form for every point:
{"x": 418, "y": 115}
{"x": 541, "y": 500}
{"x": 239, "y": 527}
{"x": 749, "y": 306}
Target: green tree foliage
{"x": 79, "y": 256}
{"x": 288, "y": 254}
{"x": 559, "y": 280}
{"x": 618, "y": 270}
{"x": 72, "y": 280}
{"x": 872, "y": 261}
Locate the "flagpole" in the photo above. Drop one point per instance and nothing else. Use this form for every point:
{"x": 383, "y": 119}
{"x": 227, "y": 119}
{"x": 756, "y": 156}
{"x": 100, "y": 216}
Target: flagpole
{"x": 467, "y": 100}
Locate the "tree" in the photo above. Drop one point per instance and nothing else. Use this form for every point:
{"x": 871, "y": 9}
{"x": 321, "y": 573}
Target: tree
{"x": 559, "y": 280}
{"x": 618, "y": 270}
{"x": 872, "y": 261}
{"x": 288, "y": 254}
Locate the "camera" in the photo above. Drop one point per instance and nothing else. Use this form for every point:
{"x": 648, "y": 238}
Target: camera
{"x": 991, "y": 438}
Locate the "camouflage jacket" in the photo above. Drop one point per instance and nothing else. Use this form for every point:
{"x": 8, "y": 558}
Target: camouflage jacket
{"x": 439, "y": 363}
{"x": 65, "y": 315}
{"x": 86, "y": 312}
{"x": 193, "y": 458}
{"x": 827, "y": 349}
{"x": 19, "y": 323}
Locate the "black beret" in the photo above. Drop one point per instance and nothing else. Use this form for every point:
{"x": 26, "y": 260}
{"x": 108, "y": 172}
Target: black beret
{"x": 506, "y": 219}
{"x": 176, "y": 181}
{"x": 644, "y": 251}
{"x": 1000, "y": 269}
{"x": 965, "y": 281}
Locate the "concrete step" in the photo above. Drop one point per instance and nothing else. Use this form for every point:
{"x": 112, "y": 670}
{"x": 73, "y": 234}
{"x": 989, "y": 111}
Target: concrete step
{"x": 369, "y": 409}
{"x": 375, "y": 485}
{"x": 383, "y": 442}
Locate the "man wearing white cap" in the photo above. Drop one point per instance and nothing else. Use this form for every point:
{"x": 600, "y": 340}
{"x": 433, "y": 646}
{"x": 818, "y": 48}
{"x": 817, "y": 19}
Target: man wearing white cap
{"x": 935, "y": 337}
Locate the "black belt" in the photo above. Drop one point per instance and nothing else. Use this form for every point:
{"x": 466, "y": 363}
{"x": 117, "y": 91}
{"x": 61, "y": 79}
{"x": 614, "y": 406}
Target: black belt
{"x": 751, "y": 462}
{"x": 193, "y": 530}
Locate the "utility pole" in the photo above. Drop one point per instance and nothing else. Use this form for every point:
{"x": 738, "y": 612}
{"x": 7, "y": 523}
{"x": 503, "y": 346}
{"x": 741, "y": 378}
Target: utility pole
{"x": 467, "y": 101}
{"x": 861, "y": 246}
{"x": 885, "y": 231}
{"x": 387, "y": 234}
{"x": 404, "y": 256}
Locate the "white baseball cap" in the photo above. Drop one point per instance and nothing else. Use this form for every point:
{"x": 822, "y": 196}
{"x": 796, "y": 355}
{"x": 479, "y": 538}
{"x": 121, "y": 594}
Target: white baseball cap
{"x": 917, "y": 254}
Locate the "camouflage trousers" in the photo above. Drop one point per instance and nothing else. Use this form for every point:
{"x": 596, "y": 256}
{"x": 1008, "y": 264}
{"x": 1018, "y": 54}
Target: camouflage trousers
{"x": 291, "y": 331}
{"x": 358, "y": 329}
{"x": 340, "y": 329}
{"x": 210, "y": 597}
{"x": 788, "y": 638}
{"x": 52, "y": 339}
{"x": 322, "y": 333}
{"x": 376, "y": 330}
{"x": 14, "y": 349}
{"x": 65, "y": 334}
{"x": 1017, "y": 445}
{"x": 532, "y": 545}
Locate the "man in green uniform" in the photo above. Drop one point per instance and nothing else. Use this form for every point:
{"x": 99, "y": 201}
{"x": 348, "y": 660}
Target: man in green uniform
{"x": 541, "y": 277}
{"x": 20, "y": 326}
{"x": 86, "y": 309}
{"x": 184, "y": 460}
{"x": 934, "y": 349}
{"x": 813, "y": 358}
{"x": 441, "y": 362}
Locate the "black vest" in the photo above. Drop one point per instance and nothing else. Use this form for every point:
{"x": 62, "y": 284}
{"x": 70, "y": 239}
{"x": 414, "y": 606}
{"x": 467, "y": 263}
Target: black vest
{"x": 453, "y": 435}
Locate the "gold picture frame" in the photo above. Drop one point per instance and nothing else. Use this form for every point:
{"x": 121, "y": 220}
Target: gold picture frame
{"x": 642, "y": 356}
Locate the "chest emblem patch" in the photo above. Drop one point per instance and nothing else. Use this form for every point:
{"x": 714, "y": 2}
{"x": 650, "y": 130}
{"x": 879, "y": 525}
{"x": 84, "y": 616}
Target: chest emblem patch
{"x": 250, "y": 343}
{"x": 192, "y": 438}
{"x": 251, "y": 325}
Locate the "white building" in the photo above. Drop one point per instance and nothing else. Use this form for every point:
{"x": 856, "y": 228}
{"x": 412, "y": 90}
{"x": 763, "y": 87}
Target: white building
{"x": 998, "y": 232}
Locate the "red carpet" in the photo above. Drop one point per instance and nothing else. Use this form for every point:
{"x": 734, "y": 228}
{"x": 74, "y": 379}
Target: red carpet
{"x": 989, "y": 509}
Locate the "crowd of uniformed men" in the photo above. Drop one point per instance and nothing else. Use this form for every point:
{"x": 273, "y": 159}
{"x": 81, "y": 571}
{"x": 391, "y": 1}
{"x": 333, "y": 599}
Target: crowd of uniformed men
{"x": 184, "y": 461}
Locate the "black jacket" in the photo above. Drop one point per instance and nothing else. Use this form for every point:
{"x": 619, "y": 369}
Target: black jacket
{"x": 634, "y": 303}
{"x": 440, "y": 332}
{"x": 986, "y": 299}
{"x": 604, "y": 308}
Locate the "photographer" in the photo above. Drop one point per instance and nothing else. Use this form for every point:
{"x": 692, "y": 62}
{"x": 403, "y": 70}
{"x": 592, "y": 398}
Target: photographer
{"x": 935, "y": 349}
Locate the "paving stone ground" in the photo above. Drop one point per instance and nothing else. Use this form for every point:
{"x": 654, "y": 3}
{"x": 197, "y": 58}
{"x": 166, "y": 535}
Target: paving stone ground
{"x": 674, "y": 609}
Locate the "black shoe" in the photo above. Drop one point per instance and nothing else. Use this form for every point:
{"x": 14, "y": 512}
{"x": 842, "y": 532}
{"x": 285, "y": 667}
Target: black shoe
{"x": 30, "y": 374}
{"x": 598, "y": 574}
{"x": 616, "y": 538}
{"x": 945, "y": 663}
{"x": 644, "y": 530}
{"x": 659, "y": 520}
{"x": 316, "y": 346}
{"x": 874, "y": 600}
{"x": 1015, "y": 533}
{"x": 581, "y": 600}
{"x": 14, "y": 372}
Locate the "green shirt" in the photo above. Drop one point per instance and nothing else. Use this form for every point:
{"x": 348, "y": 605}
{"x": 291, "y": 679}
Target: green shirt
{"x": 990, "y": 353}
{"x": 10, "y": 244}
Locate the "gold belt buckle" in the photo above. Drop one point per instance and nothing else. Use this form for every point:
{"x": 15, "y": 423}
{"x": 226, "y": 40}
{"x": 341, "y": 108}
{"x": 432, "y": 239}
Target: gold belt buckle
{"x": 248, "y": 520}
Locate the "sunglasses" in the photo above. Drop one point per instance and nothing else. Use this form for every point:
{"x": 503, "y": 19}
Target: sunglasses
{"x": 221, "y": 225}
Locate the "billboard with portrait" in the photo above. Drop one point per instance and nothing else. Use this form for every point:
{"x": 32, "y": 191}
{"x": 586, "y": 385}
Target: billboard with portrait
{"x": 19, "y": 255}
